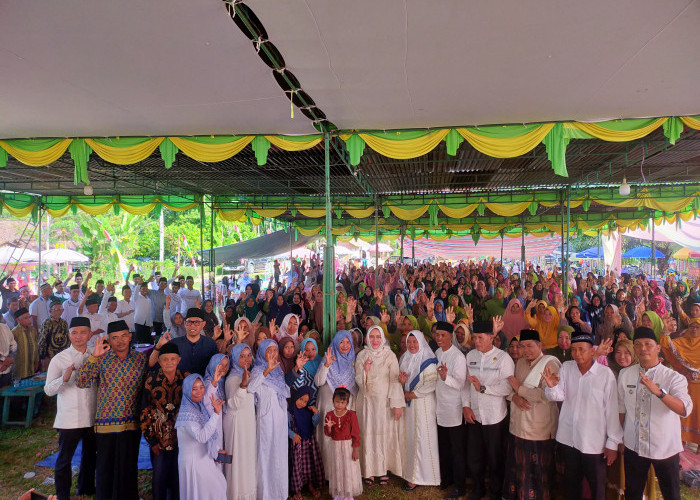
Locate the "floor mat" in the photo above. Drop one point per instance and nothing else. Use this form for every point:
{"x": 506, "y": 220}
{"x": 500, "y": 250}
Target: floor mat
{"x": 144, "y": 457}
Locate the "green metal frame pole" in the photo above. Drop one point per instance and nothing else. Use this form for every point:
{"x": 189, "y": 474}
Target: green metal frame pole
{"x": 653, "y": 247}
{"x": 522, "y": 255}
{"x": 413, "y": 251}
{"x": 212, "y": 262}
{"x": 568, "y": 240}
{"x": 563, "y": 249}
{"x": 291, "y": 251}
{"x": 201, "y": 244}
{"x": 38, "y": 277}
{"x": 402, "y": 234}
{"x": 329, "y": 305}
{"x": 376, "y": 242}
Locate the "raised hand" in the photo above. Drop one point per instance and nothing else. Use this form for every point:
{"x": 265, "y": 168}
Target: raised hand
{"x": 329, "y": 422}
{"x": 216, "y": 404}
{"x": 228, "y": 333}
{"x": 217, "y": 332}
{"x": 271, "y": 365}
{"x": 498, "y": 324}
{"x": 241, "y": 333}
{"x": 649, "y": 384}
{"x": 603, "y": 349}
{"x": 368, "y": 364}
{"x": 551, "y": 378}
{"x": 470, "y": 313}
{"x": 442, "y": 371}
{"x": 69, "y": 371}
{"x": 385, "y": 317}
{"x": 273, "y": 327}
{"x": 450, "y": 314}
{"x": 403, "y": 377}
{"x": 301, "y": 361}
{"x": 101, "y": 347}
{"x": 330, "y": 357}
{"x": 164, "y": 339}
{"x": 244, "y": 378}
{"x": 398, "y": 319}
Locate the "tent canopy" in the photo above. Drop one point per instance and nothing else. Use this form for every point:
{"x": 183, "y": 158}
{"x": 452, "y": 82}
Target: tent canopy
{"x": 642, "y": 252}
{"x": 62, "y": 255}
{"x": 10, "y": 254}
{"x": 591, "y": 253}
{"x": 267, "y": 245}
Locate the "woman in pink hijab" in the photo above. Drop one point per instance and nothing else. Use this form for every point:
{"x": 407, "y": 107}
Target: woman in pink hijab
{"x": 513, "y": 319}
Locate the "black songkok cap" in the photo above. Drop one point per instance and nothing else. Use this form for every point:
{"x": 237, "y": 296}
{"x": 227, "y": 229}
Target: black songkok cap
{"x": 529, "y": 334}
{"x": 93, "y": 299}
{"x": 169, "y": 348}
{"x": 117, "y": 326}
{"x": 19, "y": 312}
{"x": 189, "y": 278}
{"x": 445, "y": 326}
{"x": 100, "y": 282}
{"x": 75, "y": 287}
{"x": 582, "y": 337}
{"x": 112, "y": 299}
{"x": 163, "y": 279}
{"x": 79, "y": 321}
{"x": 195, "y": 312}
{"x": 644, "y": 333}
{"x": 482, "y": 327}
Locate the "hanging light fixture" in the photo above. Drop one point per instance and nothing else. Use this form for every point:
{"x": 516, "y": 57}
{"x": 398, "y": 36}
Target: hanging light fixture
{"x": 624, "y": 187}
{"x": 87, "y": 190}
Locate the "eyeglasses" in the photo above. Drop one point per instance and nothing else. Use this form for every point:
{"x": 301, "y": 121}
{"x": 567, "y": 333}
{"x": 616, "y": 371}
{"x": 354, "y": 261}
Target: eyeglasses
{"x": 191, "y": 322}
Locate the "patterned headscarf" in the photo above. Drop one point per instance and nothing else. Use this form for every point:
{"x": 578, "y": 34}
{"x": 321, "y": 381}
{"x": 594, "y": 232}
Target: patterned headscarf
{"x": 197, "y": 413}
{"x": 342, "y": 370}
{"x": 275, "y": 379}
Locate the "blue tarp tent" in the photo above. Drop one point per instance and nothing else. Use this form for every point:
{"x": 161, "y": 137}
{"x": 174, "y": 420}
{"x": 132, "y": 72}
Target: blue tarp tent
{"x": 641, "y": 253}
{"x": 591, "y": 253}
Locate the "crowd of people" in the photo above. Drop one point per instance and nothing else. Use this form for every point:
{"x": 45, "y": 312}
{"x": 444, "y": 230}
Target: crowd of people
{"x": 466, "y": 377}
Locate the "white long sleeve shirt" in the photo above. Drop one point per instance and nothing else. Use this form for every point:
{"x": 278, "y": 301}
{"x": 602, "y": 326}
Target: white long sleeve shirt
{"x": 589, "y": 420}
{"x": 127, "y": 307}
{"x": 189, "y": 299}
{"x": 143, "y": 313}
{"x": 652, "y": 430}
{"x": 70, "y": 310}
{"x": 450, "y": 393}
{"x": 492, "y": 369}
{"x": 76, "y": 407}
{"x": 40, "y": 309}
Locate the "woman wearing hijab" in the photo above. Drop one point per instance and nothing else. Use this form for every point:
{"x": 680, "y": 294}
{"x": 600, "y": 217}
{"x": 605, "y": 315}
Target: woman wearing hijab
{"x": 289, "y": 328}
{"x": 596, "y": 312}
{"x": 198, "y": 443}
{"x": 611, "y": 321}
{"x": 336, "y": 370}
{"x": 271, "y": 393}
{"x": 380, "y": 403}
{"x": 305, "y": 376}
{"x": 366, "y": 299}
{"x": 209, "y": 317}
{"x": 249, "y": 309}
{"x": 246, "y": 326}
{"x": 652, "y": 320}
{"x": 239, "y": 426}
{"x": 305, "y": 457}
{"x": 547, "y": 324}
{"x": 574, "y": 320}
{"x": 495, "y": 306}
{"x": 440, "y": 310}
{"x": 214, "y": 381}
{"x": 418, "y": 375}
{"x": 287, "y": 358}
{"x": 462, "y": 336}
{"x": 514, "y": 320}
{"x": 278, "y": 310}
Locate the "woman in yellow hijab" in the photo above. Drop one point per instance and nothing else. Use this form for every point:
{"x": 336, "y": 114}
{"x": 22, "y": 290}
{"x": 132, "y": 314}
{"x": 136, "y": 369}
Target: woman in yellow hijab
{"x": 546, "y": 323}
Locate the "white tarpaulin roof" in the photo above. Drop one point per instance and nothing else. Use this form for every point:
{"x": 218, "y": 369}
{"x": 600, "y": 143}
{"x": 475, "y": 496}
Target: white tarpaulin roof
{"x": 10, "y": 254}
{"x": 178, "y": 67}
{"x": 63, "y": 255}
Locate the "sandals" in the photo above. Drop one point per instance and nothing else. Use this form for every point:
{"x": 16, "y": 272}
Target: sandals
{"x": 369, "y": 481}
{"x": 407, "y": 487}
{"x": 384, "y": 480}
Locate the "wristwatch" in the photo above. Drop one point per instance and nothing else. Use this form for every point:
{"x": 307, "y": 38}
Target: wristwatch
{"x": 482, "y": 389}
{"x": 663, "y": 394}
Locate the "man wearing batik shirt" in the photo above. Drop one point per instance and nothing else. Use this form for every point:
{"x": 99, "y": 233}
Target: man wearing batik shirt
{"x": 53, "y": 335}
{"x": 652, "y": 399}
{"x": 162, "y": 395}
{"x": 119, "y": 373}
{"x": 26, "y": 336}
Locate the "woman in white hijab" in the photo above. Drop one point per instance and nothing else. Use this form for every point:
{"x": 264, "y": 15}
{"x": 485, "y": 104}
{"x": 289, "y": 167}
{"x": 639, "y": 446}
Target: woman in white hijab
{"x": 418, "y": 375}
{"x": 289, "y": 328}
{"x": 380, "y": 402}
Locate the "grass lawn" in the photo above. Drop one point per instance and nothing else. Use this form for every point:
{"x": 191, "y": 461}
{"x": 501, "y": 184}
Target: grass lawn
{"x": 21, "y": 448}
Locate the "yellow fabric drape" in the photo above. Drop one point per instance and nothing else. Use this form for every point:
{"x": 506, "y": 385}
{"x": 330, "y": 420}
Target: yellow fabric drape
{"x": 314, "y": 213}
{"x": 617, "y": 135}
{"x": 19, "y": 212}
{"x": 231, "y": 215}
{"x": 506, "y": 147}
{"x": 408, "y": 213}
{"x": 458, "y": 212}
{"x": 125, "y": 156}
{"x": 38, "y": 158}
{"x": 269, "y": 212}
{"x": 94, "y": 209}
{"x": 58, "y": 213}
{"x": 211, "y": 152}
{"x": 405, "y": 149}
{"x": 358, "y": 213}
{"x": 308, "y": 232}
{"x": 507, "y": 209}
{"x": 691, "y": 122}
{"x": 283, "y": 143}
{"x": 645, "y": 199}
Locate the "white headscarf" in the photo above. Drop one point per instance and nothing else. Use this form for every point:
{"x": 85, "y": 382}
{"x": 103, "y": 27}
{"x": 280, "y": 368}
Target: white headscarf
{"x": 284, "y": 332}
{"x": 410, "y": 363}
{"x": 383, "y": 347}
